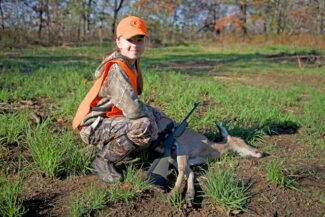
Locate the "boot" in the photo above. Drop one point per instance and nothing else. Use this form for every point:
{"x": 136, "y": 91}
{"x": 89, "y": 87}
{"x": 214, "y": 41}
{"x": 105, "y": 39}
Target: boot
{"x": 106, "y": 171}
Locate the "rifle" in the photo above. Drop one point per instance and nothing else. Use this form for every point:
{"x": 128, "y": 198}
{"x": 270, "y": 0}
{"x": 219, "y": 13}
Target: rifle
{"x": 158, "y": 171}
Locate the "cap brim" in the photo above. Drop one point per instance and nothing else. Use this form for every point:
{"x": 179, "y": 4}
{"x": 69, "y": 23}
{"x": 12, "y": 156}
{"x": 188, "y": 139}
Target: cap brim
{"x": 133, "y": 33}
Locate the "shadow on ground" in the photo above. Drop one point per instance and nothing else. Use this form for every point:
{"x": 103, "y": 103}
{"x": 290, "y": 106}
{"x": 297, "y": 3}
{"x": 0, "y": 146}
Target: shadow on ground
{"x": 39, "y": 206}
{"x": 204, "y": 64}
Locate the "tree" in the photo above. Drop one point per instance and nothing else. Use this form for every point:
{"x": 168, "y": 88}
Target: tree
{"x": 56, "y": 21}
{"x": 116, "y": 8}
{"x": 243, "y": 15}
{"x": 320, "y": 5}
{"x": 77, "y": 17}
{"x": 161, "y": 17}
{"x": 40, "y": 8}
{"x": 2, "y": 16}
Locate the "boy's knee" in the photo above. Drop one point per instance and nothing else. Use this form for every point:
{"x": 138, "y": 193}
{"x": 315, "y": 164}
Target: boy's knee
{"x": 142, "y": 131}
{"x": 117, "y": 149}
{"x": 86, "y": 134}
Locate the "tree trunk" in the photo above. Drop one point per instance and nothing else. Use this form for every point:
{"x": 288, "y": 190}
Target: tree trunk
{"x": 243, "y": 16}
{"x": 40, "y": 10}
{"x": 278, "y": 28}
{"x": 117, "y": 8}
{"x": 2, "y": 16}
{"x": 40, "y": 26}
{"x": 48, "y": 19}
{"x": 79, "y": 29}
{"x": 84, "y": 17}
{"x": 265, "y": 26}
{"x": 320, "y": 18}
{"x": 88, "y": 14}
{"x": 100, "y": 35}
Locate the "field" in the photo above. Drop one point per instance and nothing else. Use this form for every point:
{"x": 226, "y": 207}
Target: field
{"x": 273, "y": 96}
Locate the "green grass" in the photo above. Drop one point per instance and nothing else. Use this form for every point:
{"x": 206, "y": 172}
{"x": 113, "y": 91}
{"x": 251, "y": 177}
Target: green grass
{"x": 12, "y": 127}
{"x": 65, "y": 75}
{"x": 247, "y": 110}
{"x": 175, "y": 199}
{"x": 77, "y": 160}
{"x": 313, "y": 118}
{"x": 11, "y": 202}
{"x": 95, "y": 199}
{"x": 133, "y": 185}
{"x": 251, "y": 107}
{"x": 88, "y": 202}
{"x": 275, "y": 175}
{"x": 46, "y": 149}
{"x": 222, "y": 188}
{"x": 262, "y": 109}
{"x": 56, "y": 154}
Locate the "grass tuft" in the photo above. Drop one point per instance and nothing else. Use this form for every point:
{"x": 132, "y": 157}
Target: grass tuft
{"x": 275, "y": 175}
{"x": 45, "y": 148}
{"x": 11, "y": 203}
{"x": 56, "y": 153}
{"x": 88, "y": 202}
{"x": 222, "y": 188}
{"x": 256, "y": 136}
{"x": 12, "y": 127}
{"x": 77, "y": 161}
{"x": 133, "y": 185}
{"x": 175, "y": 199}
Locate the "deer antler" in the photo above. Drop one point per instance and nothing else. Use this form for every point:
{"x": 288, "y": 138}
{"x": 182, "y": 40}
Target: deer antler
{"x": 224, "y": 133}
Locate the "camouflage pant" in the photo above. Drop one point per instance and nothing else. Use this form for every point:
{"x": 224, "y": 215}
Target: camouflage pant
{"x": 117, "y": 137}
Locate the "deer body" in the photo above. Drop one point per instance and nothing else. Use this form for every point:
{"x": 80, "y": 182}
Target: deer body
{"x": 193, "y": 148}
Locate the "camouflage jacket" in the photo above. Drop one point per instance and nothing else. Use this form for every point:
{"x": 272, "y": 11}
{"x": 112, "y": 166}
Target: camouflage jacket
{"x": 117, "y": 90}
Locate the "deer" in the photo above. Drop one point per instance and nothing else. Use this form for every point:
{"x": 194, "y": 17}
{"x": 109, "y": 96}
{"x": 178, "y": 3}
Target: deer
{"x": 193, "y": 148}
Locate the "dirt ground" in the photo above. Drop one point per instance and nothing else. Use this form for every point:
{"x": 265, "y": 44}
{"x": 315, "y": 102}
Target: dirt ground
{"x": 48, "y": 197}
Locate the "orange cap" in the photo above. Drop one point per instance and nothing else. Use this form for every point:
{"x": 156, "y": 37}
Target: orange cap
{"x": 131, "y": 26}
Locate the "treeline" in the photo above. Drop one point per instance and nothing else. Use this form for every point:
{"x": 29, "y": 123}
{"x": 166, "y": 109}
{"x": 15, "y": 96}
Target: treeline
{"x": 59, "y": 22}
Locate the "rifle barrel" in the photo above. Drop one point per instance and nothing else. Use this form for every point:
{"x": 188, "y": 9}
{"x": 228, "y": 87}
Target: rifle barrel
{"x": 184, "y": 122}
{"x": 178, "y": 131}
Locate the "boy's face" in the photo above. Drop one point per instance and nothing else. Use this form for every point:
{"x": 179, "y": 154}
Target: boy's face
{"x": 131, "y": 48}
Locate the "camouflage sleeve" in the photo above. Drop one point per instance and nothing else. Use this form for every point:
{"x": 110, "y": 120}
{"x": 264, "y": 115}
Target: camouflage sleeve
{"x": 117, "y": 87}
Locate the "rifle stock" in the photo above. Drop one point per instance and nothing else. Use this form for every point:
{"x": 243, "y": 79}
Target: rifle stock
{"x": 158, "y": 171}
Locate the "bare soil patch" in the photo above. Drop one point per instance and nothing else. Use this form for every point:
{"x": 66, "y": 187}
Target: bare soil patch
{"x": 272, "y": 79}
{"x": 275, "y": 80}
{"x": 210, "y": 66}
{"x": 307, "y": 170}
{"x": 308, "y": 59}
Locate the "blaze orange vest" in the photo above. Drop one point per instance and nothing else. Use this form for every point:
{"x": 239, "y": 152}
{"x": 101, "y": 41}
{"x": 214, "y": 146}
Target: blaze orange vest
{"x": 92, "y": 97}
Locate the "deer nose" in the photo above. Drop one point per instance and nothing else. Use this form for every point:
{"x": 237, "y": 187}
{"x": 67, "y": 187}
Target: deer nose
{"x": 259, "y": 153}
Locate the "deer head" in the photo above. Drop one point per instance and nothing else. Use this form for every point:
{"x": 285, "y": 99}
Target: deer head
{"x": 237, "y": 145}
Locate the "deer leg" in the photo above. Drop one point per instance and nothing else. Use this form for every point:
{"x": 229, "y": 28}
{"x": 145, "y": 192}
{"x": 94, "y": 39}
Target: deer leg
{"x": 184, "y": 169}
{"x": 190, "y": 192}
{"x": 181, "y": 167}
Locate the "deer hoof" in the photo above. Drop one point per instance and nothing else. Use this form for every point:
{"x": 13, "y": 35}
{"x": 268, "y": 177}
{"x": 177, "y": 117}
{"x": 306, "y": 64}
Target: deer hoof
{"x": 189, "y": 197}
